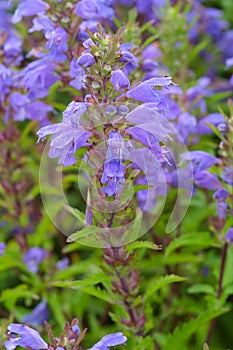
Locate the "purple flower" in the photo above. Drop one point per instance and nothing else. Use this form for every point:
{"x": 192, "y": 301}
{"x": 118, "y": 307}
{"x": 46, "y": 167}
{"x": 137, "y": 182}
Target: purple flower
{"x": 222, "y": 209}
{"x": 201, "y": 160}
{"x": 147, "y": 139}
{"x": 2, "y": 248}
{"x": 92, "y": 9}
{"x": 227, "y": 176}
{"x": 38, "y": 77}
{"x": 213, "y": 118}
{"x": 28, "y": 338}
{"x": 38, "y": 315}
{"x": 109, "y": 341}
{"x": 146, "y": 91}
{"x": 86, "y": 60}
{"x": 29, "y": 8}
{"x": 5, "y": 81}
{"x": 229, "y": 235}
{"x": 87, "y": 9}
{"x": 207, "y": 180}
{"x": 57, "y": 43}
{"x": 23, "y": 108}
{"x": 63, "y": 264}
{"x": 221, "y": 194}
{"x": 114, "y": 170}
{"x": 119, "y": 80}
{"x": 18, "y": 102}
{"x": 41, "y": 22}
{"x": 186, "y": 125}
{"x": 33, "y": 258}
{"x": 78, "y": 74}
{"x": 229, "y": 62}
{"x": 68, "y": 136}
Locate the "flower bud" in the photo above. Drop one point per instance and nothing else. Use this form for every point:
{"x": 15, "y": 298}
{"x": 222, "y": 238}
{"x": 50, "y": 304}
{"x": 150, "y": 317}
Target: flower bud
{"x": 86, "y": 60}
{"x": 119, "y": 80}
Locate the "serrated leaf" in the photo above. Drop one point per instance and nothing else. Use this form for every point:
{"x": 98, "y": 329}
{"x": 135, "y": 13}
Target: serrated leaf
{"x": 142, "y": 245}
{"x": 77, "y": 213}
{"x": 84, "y": 233}
{"x": 200, "y": 239}
{"x": 182, "y": 333}
{"x": 161, "y": 282}
{"x": 95, "y": 279}
{"x": 98, "y": 293}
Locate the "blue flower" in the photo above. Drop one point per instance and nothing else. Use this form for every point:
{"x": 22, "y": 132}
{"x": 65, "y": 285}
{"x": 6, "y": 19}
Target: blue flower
{"x": 92, "y": 9}
{"x": 78, "y": 74}
{"x": 67, "y": 136}
{"x": 33, "y": 258}
{"x": 5, "y": 81}
{"x": 2, "y": 248}
{"x": 213, "y": 119}
{"x": 114, "y": 169}
{"x": 201, "y": 160}
{"x": 227, "y": 176}
{"x": 63, "y": 264}
{"x": 119, "y": 80}
{"x": 38, "y": 77}
{"x": 86, "y": 60}
{"x": 38, "y": 315}
{"x": 29, "y": 8}
{"x": 146, "y": 91}
{"x": 110, "y": 340}
{"x": 28, "y": 338}
{"x": 57, "y": 43}
{"x": 229, "y": 235}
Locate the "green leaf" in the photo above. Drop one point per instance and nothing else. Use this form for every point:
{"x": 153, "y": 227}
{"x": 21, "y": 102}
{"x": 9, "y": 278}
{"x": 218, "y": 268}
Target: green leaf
{"x": 55, "y": 305}
{"x": 141, "y": 187}
{"x": 77, "y": 213}
{"x": 10, "y": 296}
{"x": 98, "y": 293}
{"x": 84, "y": 233}
{"x": 95, "y": 279}
{"x": 142, "y": 245}
{"x": 161, "y": 282}
{"x": 201, "y": 288}
{"x": 182, "y": 333}
{"x": 200, "y": 239}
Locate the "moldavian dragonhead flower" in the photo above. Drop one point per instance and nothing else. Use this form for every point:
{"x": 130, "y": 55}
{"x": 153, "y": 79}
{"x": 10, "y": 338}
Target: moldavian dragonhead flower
{"x": 86, "y": 60}
{"x": 38, "y": 315}
{"x": 29, "y": 8}
{"x": 5, "y": 81}
{"x": 119, "y": 80}
{"x": 38, "y": 77}
{"x": 93, "y": 9}
{"x": 67, "y": 136}
{"x": 229, "y": 235}
{"x": 2, "y": 248}
{"x": 63, "y": 263}
{"x": 33, "y": 258}
{"x": 214, "y": 119}
{"x": 147, "y": 92}
{"x": 114, "y": 169}
{"x": 57, "y": 43}
{"x": 24, "y": 336}
{"x": 110, "y": 340}
{"x": 200, "y": 160}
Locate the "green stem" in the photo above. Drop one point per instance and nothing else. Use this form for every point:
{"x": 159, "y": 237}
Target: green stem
{"x": 219, "y": 292}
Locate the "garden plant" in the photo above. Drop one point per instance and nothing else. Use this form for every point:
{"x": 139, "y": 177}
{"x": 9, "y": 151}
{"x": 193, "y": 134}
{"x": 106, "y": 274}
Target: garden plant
{"x": 116, "y": 163}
